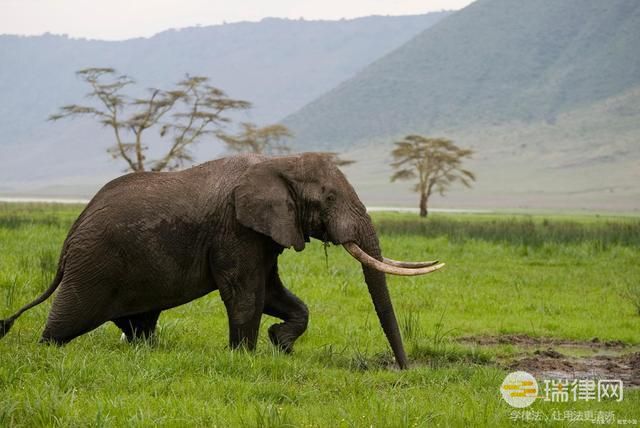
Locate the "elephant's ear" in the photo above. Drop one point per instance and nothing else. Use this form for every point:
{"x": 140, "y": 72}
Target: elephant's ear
{"x": 264, "y": 203}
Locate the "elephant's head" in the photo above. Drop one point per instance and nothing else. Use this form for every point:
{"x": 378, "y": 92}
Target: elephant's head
{"x": 293, "y": 198}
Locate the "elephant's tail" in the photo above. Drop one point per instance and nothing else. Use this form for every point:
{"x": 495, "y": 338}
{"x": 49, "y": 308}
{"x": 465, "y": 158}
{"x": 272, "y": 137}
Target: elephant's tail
{"x": 5, "y": 325}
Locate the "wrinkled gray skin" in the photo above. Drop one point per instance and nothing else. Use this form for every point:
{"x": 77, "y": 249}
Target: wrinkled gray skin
{"x": 154, "y": 240}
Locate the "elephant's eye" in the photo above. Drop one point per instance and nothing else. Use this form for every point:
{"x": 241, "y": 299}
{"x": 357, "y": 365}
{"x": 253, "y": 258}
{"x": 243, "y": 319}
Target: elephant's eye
{"x": 331, "y": 197}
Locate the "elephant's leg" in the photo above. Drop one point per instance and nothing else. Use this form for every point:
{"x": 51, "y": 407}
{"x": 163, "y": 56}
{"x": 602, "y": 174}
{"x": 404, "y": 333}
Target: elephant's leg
{"x": 243, "y": 296}
{"x": 139, "y": 326}
{"x": 283, "y": 304}
{"x": 72, "y": 314}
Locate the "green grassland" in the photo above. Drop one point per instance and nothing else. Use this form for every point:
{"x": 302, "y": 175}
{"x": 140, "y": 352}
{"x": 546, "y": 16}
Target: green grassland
{"x": 565, "y": 277}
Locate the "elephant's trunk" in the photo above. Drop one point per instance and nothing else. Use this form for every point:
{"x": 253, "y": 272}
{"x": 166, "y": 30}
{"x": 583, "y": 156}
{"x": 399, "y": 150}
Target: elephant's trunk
{"x": 377, "y": 284}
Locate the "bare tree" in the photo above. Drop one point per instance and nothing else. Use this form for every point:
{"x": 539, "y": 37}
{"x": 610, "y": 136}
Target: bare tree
{"x": 266, "y": 140}
{"x": 188, "y": 112}
{"x": 435, "y": 163}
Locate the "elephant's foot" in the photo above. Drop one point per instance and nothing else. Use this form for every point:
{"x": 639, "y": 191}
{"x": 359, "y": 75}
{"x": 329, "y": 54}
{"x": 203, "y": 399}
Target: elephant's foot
{"x": 283, "y": 336}
{"x": 149, "y": 338}
{"x": 282, "y": 303}
{"x": 245, "y": 335}
{"x": 139, "y": 326}
{"x": 51, "y": 340}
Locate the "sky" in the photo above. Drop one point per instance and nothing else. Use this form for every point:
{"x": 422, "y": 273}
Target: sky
{"x": 123, "y": 19}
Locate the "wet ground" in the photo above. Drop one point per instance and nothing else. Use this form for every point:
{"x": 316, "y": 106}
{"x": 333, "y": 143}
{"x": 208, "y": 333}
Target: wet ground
{"x": 553, "y": 358}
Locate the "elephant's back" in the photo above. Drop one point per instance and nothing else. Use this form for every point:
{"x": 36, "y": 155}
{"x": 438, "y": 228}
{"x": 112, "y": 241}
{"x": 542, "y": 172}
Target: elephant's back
{"x": 206, "y": 179}
{"x": 139, "y": 203}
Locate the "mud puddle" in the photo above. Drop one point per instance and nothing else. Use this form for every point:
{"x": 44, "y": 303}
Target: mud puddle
{"x": 554, "y": 358}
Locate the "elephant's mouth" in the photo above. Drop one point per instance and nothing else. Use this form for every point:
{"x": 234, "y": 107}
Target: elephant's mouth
{"x": 324, "y": 233}
{"x": 391, "y": 266}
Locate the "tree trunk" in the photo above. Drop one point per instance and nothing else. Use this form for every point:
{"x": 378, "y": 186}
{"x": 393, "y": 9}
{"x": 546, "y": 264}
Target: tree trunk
{"x": 139, "y": 157}
{"x": 423, "y": 204}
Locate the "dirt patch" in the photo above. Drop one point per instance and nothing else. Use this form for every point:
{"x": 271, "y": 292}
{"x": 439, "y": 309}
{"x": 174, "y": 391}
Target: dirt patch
{"x": 522, "y": 340}
{"x": 554, "y": 365}
{"x": 555, "y": 358}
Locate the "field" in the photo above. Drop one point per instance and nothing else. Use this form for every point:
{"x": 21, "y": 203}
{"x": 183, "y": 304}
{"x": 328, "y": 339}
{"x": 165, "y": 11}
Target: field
{"x": 552, "y": 295}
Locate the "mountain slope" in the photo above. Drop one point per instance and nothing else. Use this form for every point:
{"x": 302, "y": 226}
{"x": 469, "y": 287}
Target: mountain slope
{"x": 492, "y": 62}
{"x": 277, "y": 64}
{"x": 587, "y": 159}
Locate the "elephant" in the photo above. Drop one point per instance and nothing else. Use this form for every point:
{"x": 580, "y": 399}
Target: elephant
{"x": 151, "y": 241}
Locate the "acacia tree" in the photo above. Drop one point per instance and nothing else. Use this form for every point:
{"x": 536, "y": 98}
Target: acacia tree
{"x": 435, "y": 163}
{"x": 266, "y": 140}
{"x": 185, "y": 114}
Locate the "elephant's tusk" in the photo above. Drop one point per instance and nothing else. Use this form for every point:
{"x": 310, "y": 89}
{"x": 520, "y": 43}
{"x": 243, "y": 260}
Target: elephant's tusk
{"x": 410, "y": 265}
{"x": 364, "y": 258}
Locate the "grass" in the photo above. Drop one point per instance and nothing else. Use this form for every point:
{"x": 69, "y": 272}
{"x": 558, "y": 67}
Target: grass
{"x": 573, "y": 278}
{"x": 517, "y": 230}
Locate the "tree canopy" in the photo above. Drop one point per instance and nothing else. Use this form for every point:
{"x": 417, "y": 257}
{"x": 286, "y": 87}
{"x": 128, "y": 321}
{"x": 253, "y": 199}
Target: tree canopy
{"x": 253, "y": 139}
{"x": 435, "y": 163}
{"x": 185, "y": 113}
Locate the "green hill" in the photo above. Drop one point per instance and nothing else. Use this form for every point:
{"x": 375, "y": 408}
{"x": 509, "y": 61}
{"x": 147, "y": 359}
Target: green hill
{"x": 490, "y": 63}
